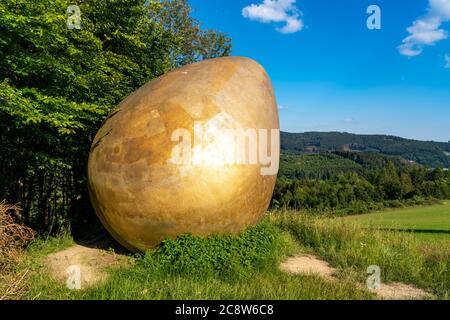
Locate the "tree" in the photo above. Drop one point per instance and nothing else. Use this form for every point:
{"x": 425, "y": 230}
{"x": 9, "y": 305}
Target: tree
{"x": 390, "y": 182}
{"x": 190, "y": 42}
{"x": 407, "y": 185}
{"x": 57, "y": 85}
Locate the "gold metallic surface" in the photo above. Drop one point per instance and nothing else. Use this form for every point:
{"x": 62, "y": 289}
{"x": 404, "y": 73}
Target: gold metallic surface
{"x": 140, "y": 196}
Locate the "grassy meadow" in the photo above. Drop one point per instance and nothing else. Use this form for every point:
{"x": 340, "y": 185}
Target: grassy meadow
{"x": 246, "y": 266}
{"x": 431, "y": 223}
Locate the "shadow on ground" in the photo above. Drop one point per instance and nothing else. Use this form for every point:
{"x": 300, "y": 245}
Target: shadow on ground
{"x": 104, "y": 241}
{"x": 437, "y": 231}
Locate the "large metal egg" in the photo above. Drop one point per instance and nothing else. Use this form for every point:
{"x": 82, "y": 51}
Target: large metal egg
{"x": 141, "y": 191}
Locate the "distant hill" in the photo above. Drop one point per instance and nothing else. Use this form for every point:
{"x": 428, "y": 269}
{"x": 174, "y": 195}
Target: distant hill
{"x": 427, "y": 153}
{"x": 327, "y": 164}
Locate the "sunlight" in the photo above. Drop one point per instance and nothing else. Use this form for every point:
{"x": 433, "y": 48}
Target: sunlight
{"x": 215, "y": 143}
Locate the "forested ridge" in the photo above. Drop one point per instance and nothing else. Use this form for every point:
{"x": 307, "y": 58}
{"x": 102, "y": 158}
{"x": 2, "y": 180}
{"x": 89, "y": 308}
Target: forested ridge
{"x": 428, "y": 153}
{"x": 345, "y": 182}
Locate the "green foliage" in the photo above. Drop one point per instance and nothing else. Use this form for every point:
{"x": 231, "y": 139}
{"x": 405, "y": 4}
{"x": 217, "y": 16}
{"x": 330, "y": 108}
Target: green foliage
{"x": 428, "y": 153}
{"x": 315, "y": 166}
{"x": 190, "y": 42}
{"x": 57, "y": 86}
{"x": 225, "y": 255}
{"x": 349, "y": 183}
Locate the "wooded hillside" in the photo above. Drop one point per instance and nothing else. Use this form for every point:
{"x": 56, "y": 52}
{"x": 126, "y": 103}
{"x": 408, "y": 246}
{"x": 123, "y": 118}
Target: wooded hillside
{"x": 428, "y": 153}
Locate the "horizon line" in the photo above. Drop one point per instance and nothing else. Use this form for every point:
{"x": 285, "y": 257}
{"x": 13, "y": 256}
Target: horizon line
{"x": 366, "y": 134}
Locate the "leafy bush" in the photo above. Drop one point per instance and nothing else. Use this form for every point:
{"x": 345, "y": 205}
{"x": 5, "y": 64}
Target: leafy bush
{"x": 258, "y": 246}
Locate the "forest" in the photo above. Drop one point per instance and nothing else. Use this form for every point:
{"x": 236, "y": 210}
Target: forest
{"x": 429, "y": 153}
{"x": 355, "y": 182}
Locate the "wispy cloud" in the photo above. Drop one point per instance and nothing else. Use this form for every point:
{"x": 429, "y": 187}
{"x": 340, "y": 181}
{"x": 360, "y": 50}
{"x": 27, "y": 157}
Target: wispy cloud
{"x": 279, "y": 11}
{"x": 447, "y": 61}
{"x": 349, "y": 120}
{"x": 426, "y": 31}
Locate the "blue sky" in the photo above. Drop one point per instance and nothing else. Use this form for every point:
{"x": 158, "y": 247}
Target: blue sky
{"x": 331, "y": 73}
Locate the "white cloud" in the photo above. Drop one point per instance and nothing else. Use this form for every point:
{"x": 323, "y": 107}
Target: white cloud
{"x": 280, "y": 11}
{"x": 447, "y": 61}
{"x": 426, "y": 31}
{"x": 440, "y": 8}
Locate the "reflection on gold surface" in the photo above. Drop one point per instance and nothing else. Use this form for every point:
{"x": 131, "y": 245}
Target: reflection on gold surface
{"x": 139, "y": 188}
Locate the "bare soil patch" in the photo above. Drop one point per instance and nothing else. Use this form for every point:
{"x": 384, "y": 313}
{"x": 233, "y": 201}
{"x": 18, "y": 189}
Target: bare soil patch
{"x": 91, "y": 262}
{"x": 401, "y": 291}
{"x": 309, "y": 264}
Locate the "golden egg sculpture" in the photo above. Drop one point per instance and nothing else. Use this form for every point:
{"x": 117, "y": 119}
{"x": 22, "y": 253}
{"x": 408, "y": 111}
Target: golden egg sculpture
{"x": 193, "y": 151}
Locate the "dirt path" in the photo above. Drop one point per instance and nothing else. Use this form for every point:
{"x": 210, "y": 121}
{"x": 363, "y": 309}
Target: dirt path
{"x": 89, "y": 262}
{"x": 308, "y": 264}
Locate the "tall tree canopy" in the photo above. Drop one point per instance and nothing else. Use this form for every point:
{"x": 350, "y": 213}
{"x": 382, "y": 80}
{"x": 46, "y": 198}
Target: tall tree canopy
{"x": 58, "y": 84}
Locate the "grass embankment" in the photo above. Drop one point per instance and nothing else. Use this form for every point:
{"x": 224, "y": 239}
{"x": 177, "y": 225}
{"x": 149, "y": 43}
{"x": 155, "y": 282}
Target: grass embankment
{"x": 246, "y": 266}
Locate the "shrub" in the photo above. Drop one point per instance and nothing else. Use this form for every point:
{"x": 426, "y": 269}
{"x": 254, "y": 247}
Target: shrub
{"x": 258, "y": 246}
{"x": 13, "y": 236}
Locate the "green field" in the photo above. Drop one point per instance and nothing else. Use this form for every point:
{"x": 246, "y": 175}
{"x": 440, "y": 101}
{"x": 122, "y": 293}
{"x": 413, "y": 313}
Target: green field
{"x": 427, "y": 222}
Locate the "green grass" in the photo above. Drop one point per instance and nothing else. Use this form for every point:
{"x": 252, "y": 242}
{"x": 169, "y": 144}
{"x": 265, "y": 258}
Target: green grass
{"x": 352, "y": 248}
{"x": 226, "y": 267}
{"x": 245, "y": 266}
{"x": 430, "y": 223}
